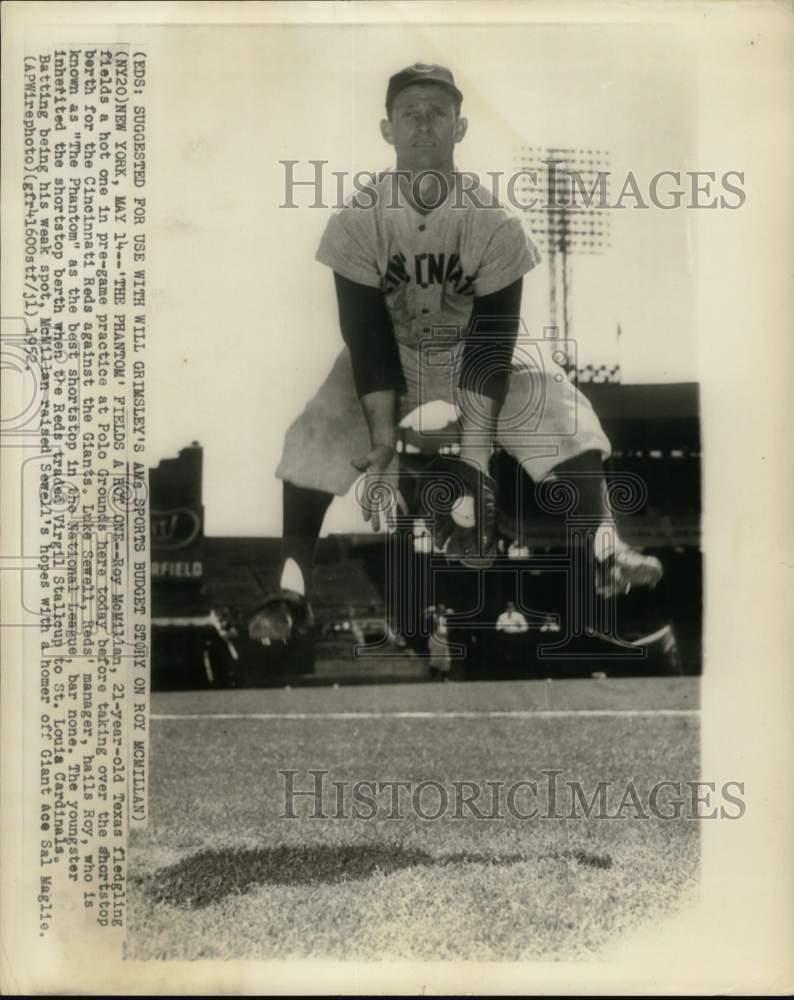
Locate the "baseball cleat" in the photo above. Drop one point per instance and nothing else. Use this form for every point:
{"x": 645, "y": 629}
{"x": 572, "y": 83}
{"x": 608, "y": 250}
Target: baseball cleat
{"x": 283, "y": 614}
{"x": 661, "y": 655}
{"x": 625, "y": 569}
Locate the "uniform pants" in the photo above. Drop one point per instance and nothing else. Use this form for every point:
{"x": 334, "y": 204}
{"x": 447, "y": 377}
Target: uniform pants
{"x": 544, "y": 420}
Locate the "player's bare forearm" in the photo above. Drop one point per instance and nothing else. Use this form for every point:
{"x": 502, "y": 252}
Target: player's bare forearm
{"x": 380, "y": 498}
{"x": 478, "y": 417}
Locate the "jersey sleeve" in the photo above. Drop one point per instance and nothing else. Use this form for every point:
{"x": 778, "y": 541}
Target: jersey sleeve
{"x": 491, "y": 340}
{"x": 348, "y": 246}
{"x": 367, "y": 330}
{"x": 509, "y": 255}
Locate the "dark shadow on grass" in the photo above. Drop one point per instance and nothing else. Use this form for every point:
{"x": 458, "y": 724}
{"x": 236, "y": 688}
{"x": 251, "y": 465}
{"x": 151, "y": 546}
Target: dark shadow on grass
{"x": 588, "y": 858}
{"x": 210, "y": 876}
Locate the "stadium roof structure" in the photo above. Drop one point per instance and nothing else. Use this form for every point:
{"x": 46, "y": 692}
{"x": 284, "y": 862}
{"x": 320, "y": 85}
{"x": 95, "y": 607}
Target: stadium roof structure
{"x": 645, "y": 401}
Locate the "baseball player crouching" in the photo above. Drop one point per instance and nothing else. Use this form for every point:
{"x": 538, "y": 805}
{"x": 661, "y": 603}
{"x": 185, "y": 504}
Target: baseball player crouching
{"x": 419, "y": 261}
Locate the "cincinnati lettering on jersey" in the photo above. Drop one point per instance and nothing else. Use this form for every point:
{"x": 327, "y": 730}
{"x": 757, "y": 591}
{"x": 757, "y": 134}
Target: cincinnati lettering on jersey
{"x": 429, "y": 269}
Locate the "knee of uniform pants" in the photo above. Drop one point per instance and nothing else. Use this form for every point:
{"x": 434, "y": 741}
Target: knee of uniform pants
{"x": 541, "y": 460}
{"x": 322, "y": 442}
{"x": 546, "y": 420}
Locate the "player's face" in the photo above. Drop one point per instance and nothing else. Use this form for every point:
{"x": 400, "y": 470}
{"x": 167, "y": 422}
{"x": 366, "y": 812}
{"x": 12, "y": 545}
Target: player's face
{"x": 424, "y": 127}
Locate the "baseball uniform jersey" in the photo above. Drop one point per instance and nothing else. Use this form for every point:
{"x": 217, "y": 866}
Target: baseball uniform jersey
{"x": 429, "y": 266}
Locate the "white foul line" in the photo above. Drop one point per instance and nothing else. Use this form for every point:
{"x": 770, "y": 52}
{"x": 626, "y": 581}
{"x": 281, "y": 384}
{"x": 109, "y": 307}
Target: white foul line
{"x": 497, "y": 714}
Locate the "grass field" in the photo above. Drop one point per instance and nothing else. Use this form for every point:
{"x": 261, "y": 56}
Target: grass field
{"x": 220, "y": 874}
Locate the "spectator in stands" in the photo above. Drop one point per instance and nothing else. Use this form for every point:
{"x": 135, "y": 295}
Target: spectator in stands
{"x": 509, "y": 626}
{"x": 438, "y": 643}
{"x": 511, "y": 622}
{"x": 550, "y": 624}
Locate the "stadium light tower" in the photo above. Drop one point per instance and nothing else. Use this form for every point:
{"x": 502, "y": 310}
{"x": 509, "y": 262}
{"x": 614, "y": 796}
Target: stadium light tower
{"x": 566, "y": 194}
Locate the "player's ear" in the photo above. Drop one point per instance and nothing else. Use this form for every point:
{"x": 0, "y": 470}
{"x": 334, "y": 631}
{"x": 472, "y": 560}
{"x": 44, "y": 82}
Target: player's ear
{"x": 387, "y": 131}
{"x": 460, "y": 128}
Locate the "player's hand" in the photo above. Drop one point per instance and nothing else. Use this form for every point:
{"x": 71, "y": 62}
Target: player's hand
{"x": 380, "y": 498}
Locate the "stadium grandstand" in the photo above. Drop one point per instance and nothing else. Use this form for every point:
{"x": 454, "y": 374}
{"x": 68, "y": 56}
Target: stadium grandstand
{"x": 204, "y": 589}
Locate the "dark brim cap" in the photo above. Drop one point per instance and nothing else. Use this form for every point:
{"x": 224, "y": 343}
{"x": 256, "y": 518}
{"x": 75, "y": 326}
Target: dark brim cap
{"x": 420, "y": 73}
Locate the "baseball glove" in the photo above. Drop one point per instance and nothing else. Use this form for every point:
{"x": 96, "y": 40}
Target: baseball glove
{"x": 461, "y": 503}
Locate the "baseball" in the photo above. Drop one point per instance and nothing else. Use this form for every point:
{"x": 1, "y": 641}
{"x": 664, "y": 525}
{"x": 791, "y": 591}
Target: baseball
{"x": 463, "y": 512}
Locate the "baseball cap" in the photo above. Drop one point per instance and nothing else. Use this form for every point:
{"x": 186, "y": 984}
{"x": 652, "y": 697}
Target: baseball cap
{"x": 420, "y": 73}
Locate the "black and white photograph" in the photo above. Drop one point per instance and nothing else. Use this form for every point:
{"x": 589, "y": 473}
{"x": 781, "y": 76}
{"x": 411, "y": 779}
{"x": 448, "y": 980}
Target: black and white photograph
{"x": 461, "y": 635}
{"x": 413, "y": 472}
